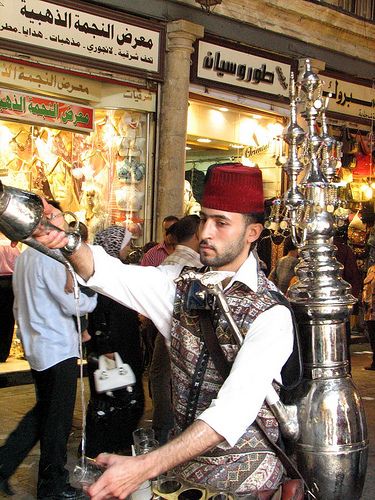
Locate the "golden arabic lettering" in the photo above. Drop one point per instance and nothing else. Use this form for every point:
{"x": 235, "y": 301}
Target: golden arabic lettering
{"x": 242, "y": 72}
{"x": 70, "y": 116}
{"x": 46, "y": 79}
{"x": 137, "y": 95}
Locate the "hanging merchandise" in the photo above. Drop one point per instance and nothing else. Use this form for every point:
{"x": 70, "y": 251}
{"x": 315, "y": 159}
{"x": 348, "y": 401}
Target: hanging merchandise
{"x": 130, "y": 199}
{"x": 130, "y": 170}
{"x": 363, "y": 165}
{"x": 357, "y": 231}
{"x": 348, "y": 148}
{"x": 363, "y": 157}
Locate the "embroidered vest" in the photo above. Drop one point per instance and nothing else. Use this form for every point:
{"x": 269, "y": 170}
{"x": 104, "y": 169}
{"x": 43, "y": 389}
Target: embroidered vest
{"x": 250, "y": 465}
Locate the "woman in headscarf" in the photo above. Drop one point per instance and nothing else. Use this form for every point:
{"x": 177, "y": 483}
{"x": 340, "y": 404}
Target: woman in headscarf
{"x": 111, "y": 418}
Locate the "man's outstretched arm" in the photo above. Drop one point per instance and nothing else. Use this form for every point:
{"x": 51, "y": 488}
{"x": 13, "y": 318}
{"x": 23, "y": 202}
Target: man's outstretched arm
{"x": 125, "y": 474}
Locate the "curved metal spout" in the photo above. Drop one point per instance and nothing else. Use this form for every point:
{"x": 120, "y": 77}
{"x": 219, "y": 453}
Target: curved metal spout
{"x": 21, "y": 212}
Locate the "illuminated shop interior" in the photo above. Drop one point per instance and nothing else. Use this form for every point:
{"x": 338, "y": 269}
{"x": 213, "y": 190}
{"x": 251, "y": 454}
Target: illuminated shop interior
{"x": 220, "y": 132}
{"x": 100, "y": 176}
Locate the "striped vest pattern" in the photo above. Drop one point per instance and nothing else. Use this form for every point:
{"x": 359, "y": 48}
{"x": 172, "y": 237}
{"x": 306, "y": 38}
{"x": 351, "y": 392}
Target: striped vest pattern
{"x": 250, "y": 466}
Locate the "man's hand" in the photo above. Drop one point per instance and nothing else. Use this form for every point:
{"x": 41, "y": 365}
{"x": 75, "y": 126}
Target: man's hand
{"x": 46, "y": 234}
{"x": 123, "y": 476}
{"x": 81, "y": 259}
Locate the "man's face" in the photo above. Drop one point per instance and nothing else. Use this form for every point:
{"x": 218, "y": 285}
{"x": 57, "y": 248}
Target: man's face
{"x": 225, "y": 239}
{"x": 166, "y": 225}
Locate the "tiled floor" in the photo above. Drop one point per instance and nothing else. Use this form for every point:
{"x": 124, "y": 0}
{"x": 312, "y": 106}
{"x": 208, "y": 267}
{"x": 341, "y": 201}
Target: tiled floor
{"x": 14, "y": 365}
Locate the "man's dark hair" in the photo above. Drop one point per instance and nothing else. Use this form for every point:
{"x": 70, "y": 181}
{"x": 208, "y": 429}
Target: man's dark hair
{"x": 170, "y": 218}
{"x": 148, "y": 246}
{"x": 55, "y": 204}
{"x": 256, "y": 218}
{"x": 184, "y": 229}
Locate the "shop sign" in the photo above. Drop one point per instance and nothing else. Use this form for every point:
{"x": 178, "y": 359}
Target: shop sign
{"x": 79, "y": 33}
{"x": 348, "y": 98}
{"x": 38, "y": 79}
{"x": 45, "y": 111}
{"x": 241, "y": 69}
{"x": 114, "y": 96}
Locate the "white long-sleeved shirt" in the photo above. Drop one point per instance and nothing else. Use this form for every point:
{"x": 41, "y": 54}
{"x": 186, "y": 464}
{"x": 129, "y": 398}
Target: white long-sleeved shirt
{"x": 267, "y": 345}
{"x": 44, "y": 312}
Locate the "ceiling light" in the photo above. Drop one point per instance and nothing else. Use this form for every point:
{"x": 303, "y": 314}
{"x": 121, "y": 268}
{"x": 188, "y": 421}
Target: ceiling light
{"x": 208, "y": 5}
{"x": 203, "y": 139}
{"x": 257, "y": 117}
{"x": 187, "y": 148}
{"x": 224, "y": 110}
{"x": 236, "y": 146}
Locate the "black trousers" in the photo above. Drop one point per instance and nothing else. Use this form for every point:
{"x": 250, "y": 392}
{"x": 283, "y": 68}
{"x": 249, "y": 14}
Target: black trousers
{"x": 49, "y": 422}
{"x": 6, "y": 316}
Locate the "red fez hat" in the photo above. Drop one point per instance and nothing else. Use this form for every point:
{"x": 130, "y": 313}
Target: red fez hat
{"x": 232, "y": 187}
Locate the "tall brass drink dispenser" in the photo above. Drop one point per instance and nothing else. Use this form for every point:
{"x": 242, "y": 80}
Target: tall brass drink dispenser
{"x": 332, "y": 447}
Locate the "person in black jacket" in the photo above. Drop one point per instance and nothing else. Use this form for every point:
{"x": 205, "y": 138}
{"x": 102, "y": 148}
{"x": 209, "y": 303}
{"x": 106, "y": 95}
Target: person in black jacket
{"x": 112, "y": 417}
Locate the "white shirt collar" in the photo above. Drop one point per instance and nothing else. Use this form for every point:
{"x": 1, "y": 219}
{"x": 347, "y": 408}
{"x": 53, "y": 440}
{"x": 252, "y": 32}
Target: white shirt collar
{"x": 247, "y": 273}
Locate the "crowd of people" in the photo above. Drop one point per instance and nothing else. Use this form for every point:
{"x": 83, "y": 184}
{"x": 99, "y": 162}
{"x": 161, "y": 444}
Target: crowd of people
{"x": 150, "y": 315}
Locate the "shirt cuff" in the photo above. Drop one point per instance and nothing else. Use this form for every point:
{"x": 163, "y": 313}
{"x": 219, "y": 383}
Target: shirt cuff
{"x": 225, "y": 429}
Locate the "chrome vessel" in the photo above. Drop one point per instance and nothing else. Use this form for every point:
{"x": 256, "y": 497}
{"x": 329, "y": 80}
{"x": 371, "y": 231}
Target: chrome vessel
{"x": 332, "y": 448}
{"x": 22, "y": 212}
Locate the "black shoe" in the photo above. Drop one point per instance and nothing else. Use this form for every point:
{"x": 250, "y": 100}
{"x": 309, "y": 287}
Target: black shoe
{"x": 371, "y": 367}
{"x": 5, "y": 488}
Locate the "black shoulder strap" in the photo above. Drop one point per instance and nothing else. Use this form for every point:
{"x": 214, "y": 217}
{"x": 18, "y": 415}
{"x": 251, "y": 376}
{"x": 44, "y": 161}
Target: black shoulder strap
{"x": 292, "y": 371}
{"x": 222, "y": 365}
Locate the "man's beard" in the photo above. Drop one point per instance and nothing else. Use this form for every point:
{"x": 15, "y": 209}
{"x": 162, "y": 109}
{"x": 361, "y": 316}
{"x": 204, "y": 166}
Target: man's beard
{"x": 228, "y": 254}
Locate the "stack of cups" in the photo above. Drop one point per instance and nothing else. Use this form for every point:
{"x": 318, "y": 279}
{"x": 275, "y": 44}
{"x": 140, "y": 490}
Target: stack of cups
{"x": 143, "y": 442}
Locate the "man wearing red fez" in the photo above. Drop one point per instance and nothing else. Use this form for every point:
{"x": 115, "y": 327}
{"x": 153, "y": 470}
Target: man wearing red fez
{"x": 216, "y": 442}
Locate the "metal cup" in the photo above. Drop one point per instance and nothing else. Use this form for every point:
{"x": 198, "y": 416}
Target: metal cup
{"x": 167, "y": 484}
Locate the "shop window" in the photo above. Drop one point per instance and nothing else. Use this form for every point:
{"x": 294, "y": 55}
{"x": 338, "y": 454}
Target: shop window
{"x": 218, "y": 133}
{"x": 99, "y": 176}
